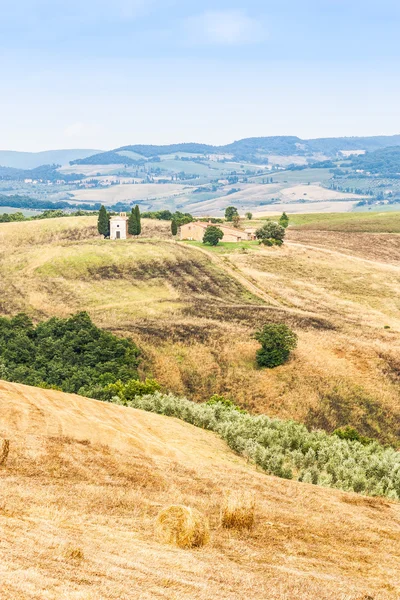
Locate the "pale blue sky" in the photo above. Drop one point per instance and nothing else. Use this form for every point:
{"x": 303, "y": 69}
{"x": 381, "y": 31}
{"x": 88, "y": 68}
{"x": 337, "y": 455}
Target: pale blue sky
{"x": 101, "y": 74}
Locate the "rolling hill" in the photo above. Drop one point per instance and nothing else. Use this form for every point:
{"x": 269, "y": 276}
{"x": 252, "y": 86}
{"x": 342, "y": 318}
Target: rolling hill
{"x": 84, "y": 481}
{"x": 248, "y": 149}
{"x": 31, "y": 160}
{"x": 193, "y": 311}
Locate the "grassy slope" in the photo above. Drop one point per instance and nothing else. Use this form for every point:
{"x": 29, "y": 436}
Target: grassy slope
{"x": 89, "y": 478}
{"x": 368, "y": 222}
{"x": 194, "y": 320}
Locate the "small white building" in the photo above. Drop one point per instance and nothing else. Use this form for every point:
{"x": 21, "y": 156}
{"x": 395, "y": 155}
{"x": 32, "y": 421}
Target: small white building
{"x": 119, "y": 227}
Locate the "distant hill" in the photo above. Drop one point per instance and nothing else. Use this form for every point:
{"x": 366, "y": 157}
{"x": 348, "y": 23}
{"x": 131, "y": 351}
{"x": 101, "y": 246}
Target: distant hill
{"x": 385, "y": 161}
{"x": 248, "y": 149}
{"x": 31, "y": 160}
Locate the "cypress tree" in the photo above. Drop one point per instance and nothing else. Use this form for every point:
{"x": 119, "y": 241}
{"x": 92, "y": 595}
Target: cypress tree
{"x": 138, "y": 221}
{"x": 174, "y": 227}
{"x": 103, "y": 222}
{"x": 132, "y": 223}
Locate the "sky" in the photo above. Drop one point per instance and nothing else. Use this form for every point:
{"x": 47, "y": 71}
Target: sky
{"x": 101, "y": 74}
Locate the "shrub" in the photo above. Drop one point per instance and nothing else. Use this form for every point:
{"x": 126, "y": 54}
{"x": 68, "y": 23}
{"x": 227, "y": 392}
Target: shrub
{"x": 284, "y": 220}
{"x": 238, "y": 510}
{"x": 224, "y": 402}
{"x": 350, "y": 433}
{"x": 271, "y": 231}
{"x": 182, "y": 526}
{"x": 287, "y": 449}
{"x": 212, "y": 235}
{"x": 277, "y": 341}
{"x": 126, "y": 391}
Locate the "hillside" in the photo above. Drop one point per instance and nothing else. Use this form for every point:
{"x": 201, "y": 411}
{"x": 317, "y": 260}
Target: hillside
{"x": 248, "y": 148}
{"x": 31, "y": 160}
{"x": 193, "y": 311}
{"x": 84, "y": 481}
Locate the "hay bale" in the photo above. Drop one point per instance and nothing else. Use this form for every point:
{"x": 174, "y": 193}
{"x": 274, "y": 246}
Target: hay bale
{"x": 237, "y": 511}
{"x": 4, "y": 450}
{"x": 182, "y": 526}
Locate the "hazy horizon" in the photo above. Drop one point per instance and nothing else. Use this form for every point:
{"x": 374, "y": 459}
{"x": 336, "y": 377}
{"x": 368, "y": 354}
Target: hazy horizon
{"x": 105, "y": 149}
{"x": 95, "y": 74}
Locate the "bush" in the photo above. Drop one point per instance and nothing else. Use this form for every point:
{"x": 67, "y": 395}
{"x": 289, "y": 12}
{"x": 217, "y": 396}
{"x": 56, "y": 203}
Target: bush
{"x": 288, "y": 449}
{"x": 126, "y": 391}
{"x": 349, "y": 433}
{"x": 271, "y": 231}
{"x": 277, "y": 341}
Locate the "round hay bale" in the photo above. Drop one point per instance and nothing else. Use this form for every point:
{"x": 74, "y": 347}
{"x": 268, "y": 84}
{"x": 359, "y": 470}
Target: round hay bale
{"x": 182, "y": 526}
{"x": 237, "y": 511}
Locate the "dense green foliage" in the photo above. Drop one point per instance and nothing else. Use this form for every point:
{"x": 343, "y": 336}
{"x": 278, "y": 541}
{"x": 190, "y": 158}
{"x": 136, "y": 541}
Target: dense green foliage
{"x": 284, "y": 220}
{"x": 249, "y": 216}
{"x": 167, "y": 215}
{"x": 103, "y": 222}
{"x": 386, "y": 161}
{"x": 174, "y": 227}
{"x": 133, "y": 225}
{"x": 271, "y": 233}
{"x": 125, "y": 392}
{"x": 212, "y": 235}
{"x": 138, "y": 220}
{"x": 46, "y": 214}
{"x": 277, "y": 341}
{"x": 69, "y": 354}
{"x": 288, "y": 449}
{"x": 231, "y": 212}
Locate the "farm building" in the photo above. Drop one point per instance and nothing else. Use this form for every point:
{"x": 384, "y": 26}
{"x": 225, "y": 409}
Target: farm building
{"x": 195, "y": 231}
{"x": 119, "y": 227}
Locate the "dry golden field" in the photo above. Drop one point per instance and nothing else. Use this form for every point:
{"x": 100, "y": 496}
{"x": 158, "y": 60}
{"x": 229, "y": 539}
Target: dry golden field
{"x": 193, "y": 313}
{"x": 84, "y": 482}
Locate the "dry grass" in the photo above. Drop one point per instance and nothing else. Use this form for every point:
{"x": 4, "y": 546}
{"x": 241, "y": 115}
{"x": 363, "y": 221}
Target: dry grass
{"x": 182, "y": 526}
{"x": 238, "y": 510}
{"x": 89, "y": 477}
{"x": 4, "y": 451}
{"x": 193, "y": 316}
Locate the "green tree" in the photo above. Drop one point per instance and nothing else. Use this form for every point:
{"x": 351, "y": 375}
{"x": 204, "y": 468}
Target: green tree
{"x": 284, "y": 220}
{"x": 271, "y": 233}
{"x": 103, "y": 222}
{"x": 231, "y": 212}
{"x": 132, "y": 223}
{"x": 174, "y": 227}
{"x": 138, "y": 220}
{"x": 212, "y": 235}
{"x": 249, "y": 216}
{"x": 277, "y": 341}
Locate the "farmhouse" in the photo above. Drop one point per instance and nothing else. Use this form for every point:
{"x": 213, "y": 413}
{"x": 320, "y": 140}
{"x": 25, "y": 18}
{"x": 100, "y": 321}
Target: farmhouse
{"x": 119, "y": 227}
{"x": 195, "y": 231}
